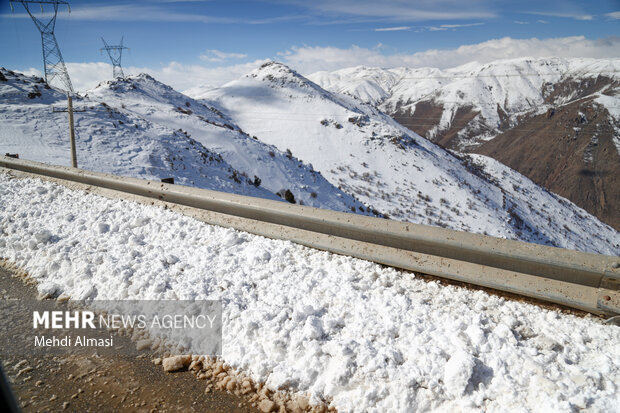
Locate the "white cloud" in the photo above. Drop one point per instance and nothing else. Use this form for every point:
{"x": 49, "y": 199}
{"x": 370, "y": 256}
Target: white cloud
{"x": 542, "y": 21}
{"x": 311, "y": 59}
{"x": 397, "y": 10}
{"x": 451, "y": 26}
{"x": 183, "y": 77}
{"x": 454, "y": 26}
{"x": 317, "y": 11}
{"x": 86, "y": 76}
{"x": 145, "y": 12}
{"x": 83, "y": 75}
{"x": 31, "y": 71}
{"x": 614, "y": 15}
{"x": 127, "y": 12}
{"x": 393, "y": 29}
{"x": 213, "y": 55}
{"x": 89, "y": 74}
{"x": 520, "y": 22}
{"x": 576, "y": 16}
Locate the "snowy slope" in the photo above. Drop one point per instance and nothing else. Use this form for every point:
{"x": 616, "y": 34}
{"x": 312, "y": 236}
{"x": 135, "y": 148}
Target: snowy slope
{"x": 197, "y": 90}
{"x": 492, "y": 91}
{"x": 375, "y": 85}
{"x": 108, "y": 139}
{"x": 369, "y": 155}
{"x": 361, "y": 336}
{"x": 612, "y": 104}
{"x": 278, "y": 172}
{"x": 140, "y": 127}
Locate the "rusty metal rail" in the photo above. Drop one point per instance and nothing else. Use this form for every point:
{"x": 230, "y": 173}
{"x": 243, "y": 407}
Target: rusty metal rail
{"x": 589, "y": 282}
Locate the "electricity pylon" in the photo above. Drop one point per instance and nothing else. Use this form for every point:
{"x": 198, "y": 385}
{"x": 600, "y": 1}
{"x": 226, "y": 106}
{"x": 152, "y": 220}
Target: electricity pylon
{"x": 115, "y": 53}
{"x": 53, "y": 63}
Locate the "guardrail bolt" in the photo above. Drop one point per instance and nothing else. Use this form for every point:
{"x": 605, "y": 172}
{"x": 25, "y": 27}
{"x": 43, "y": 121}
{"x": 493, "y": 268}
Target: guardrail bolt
{"x": 167, "y": 180}
{"x": 12, "y": 155}
{"x": 606, "y": 298}
{"x": 615, "y": 265}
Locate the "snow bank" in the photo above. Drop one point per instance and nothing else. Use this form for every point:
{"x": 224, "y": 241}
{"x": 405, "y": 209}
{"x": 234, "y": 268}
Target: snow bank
{"x": 366, "y": 337}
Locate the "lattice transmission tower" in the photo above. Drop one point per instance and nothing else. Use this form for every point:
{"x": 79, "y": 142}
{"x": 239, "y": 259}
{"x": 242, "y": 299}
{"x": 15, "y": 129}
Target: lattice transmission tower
{"x": 115, "y": 53}
{"x": 54, "y": 65}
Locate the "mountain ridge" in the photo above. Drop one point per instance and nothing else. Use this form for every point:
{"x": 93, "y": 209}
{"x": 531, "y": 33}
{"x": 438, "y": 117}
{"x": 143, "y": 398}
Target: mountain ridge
{"x": 141, "y": 127}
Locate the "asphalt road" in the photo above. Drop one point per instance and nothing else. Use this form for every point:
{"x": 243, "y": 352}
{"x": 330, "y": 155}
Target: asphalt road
{"x": 86, "y": 383}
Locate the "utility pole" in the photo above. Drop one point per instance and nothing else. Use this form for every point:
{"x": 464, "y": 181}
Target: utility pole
{"x": 71, "y": 131}
{"x": 115, "y": 53}
{"x": 53, "y": 63}
{"x": 70, "y": 111}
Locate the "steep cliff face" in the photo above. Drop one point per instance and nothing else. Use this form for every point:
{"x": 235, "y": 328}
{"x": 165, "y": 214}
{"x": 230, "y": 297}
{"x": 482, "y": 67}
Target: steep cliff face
{"x": 572, "y": 151}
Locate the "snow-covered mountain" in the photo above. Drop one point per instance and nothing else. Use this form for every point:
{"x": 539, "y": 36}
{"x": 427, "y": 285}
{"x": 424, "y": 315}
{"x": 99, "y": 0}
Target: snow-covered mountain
{"x": 470, "y": 104}
{"x": 108, "y": 139}
{"x": 143, "y": 128}
{"x": 277, "y": 171}
{"x": 555, "y": 120}
{"x": 380, "y": 162}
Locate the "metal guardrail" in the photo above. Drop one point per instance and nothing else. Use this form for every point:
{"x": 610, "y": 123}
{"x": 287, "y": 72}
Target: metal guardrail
{"x": 586, "y": 281}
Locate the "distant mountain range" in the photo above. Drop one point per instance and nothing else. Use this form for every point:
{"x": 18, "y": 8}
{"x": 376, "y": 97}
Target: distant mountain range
{"x": 277, "y": 135}
{"x": 555, "y": 120}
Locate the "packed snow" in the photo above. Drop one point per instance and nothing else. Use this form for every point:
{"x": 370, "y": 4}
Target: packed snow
{"x": 361, "y": 336}
{"x": 370, "y": 156}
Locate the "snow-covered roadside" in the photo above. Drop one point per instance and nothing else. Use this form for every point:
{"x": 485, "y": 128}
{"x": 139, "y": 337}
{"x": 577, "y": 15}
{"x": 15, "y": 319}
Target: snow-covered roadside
{"x": 365, "y": 337}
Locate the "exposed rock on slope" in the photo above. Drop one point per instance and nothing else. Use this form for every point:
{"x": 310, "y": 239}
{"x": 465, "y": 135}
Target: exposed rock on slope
{"x": 571, "y": 152}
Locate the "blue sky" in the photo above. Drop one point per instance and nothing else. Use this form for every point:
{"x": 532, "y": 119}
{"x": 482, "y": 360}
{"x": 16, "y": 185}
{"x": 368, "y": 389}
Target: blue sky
{"x": 190, "y": 42}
